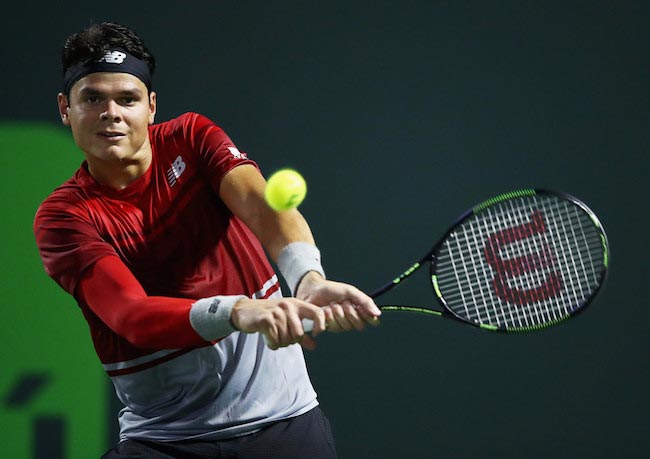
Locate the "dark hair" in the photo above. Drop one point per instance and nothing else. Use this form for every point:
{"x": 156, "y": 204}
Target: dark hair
{"x": 92, "y": 42}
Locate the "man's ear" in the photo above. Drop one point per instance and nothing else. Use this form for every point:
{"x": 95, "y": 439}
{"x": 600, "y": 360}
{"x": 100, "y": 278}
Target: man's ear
{"x": 152, "y": 107}
{"x": 63, "y": 109}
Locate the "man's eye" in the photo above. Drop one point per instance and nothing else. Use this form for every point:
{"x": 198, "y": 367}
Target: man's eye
{"x": 92, "y": 99}
{"x": 128, "y": 100}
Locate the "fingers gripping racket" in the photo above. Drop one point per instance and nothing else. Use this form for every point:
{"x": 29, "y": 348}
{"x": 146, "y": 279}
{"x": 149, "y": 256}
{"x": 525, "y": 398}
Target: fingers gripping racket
{"x": 521, "y": 261}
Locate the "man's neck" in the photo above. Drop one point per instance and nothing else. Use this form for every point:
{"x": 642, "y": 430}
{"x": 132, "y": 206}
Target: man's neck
{"x": 119, "y": 174}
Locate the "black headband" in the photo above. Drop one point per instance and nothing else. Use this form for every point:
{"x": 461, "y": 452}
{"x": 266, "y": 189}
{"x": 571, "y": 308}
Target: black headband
{"x": 114, "y": 60}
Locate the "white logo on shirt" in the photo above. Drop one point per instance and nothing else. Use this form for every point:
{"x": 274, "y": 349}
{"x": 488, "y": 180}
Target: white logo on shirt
{"x": 176, "y": 170}
{"x": 236, "y": 153}
{"x": 113, "y": 57}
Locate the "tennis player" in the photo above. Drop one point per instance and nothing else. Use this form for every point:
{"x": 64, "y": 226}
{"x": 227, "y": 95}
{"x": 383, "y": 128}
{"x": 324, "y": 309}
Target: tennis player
{"x": 161, "y": 237}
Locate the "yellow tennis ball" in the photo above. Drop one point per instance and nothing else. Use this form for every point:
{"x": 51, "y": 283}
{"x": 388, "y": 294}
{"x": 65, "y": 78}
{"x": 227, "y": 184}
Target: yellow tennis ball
{"x": 285, "y": 190}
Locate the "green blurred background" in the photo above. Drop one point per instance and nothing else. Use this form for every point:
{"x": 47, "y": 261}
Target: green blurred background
{"x": 400, "y": 115}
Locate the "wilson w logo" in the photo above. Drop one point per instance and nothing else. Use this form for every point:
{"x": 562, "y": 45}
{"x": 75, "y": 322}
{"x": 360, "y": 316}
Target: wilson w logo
{"x": 526, "y": 268}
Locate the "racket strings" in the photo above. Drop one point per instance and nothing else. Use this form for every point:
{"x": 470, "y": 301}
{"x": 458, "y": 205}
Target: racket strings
{"x": 504, "y": 268}
{"x": 522, "y": 317}
{"x": 567, "y": 265}
{"x": 592, "y": 243}
{"x": 564, "y": 215}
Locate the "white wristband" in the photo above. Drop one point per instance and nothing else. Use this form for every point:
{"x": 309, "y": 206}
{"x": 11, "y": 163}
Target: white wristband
{"x": 210, "y": 317}
{"x": 296, "y": 260}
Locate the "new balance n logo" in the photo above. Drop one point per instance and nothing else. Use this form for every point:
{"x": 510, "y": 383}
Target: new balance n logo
{"x": 176, "y": 170}
{"x": 113, "y": 57}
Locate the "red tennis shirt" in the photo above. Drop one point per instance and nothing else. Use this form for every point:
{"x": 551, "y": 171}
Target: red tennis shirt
{"x": 169, "y": 228}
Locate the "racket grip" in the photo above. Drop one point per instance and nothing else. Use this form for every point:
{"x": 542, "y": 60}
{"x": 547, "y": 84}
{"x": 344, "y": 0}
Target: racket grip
{"x": 307, "y": 325}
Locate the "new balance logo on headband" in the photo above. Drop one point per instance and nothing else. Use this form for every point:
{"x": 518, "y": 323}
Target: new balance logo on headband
{"x": 113, "y": 57}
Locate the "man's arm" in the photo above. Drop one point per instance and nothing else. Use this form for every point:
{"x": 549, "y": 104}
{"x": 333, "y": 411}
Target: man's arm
{"x": 345, "y": 306}
{"x": 155, "y": 322}
{"x": 242, "y": 189}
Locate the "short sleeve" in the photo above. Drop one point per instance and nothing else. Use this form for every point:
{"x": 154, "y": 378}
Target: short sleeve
{"x": 217, "y": 152}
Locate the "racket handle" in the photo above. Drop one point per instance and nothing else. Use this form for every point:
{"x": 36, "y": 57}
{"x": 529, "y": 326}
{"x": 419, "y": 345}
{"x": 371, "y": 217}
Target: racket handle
{"x": 307, "y": 325}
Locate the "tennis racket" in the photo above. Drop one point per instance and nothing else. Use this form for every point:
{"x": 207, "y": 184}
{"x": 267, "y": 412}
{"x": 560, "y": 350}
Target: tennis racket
{"x": 518, "y": 262}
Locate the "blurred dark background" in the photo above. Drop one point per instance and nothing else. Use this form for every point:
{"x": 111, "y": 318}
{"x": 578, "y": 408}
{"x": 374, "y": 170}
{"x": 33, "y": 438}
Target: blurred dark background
{"x": 400, "y": 115}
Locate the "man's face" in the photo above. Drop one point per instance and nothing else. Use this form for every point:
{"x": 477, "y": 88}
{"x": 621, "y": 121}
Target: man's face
{"x": 109, "y": 114}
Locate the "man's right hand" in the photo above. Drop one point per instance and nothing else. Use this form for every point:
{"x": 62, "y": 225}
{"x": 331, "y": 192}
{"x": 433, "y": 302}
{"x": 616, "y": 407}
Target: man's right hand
{"x": 279, "y": 320}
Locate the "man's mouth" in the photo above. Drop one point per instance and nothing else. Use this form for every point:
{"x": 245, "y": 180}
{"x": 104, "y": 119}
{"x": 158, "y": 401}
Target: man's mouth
{"x": 111, "y": 134}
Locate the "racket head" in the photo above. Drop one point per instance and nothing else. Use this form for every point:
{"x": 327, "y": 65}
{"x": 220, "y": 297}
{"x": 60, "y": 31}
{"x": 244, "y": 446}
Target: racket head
{"x": 521, "y": 261}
